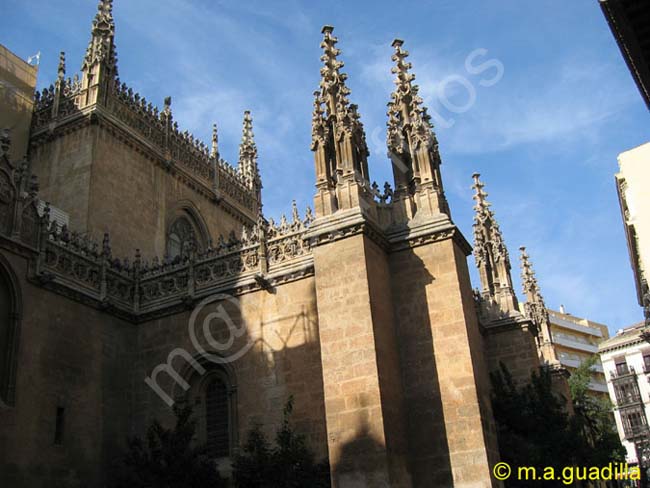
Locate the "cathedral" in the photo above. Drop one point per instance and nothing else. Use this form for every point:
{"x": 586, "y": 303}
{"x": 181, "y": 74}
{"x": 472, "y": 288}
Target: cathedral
{"x": 138, "y": 270}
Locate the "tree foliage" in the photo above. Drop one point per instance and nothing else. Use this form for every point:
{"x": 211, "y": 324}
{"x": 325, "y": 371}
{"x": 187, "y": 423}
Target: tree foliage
{"x": 535, "y": 428}
{"x": 288, "y": 464}
{"x": 593, "y": 419}
{"x": 169, "y": 458}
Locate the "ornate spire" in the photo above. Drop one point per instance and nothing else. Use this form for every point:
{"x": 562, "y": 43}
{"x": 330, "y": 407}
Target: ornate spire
{"x": 529, "y": 280}
{"x": 248, "y": 150}
{"x": 248, "y": 158}
{"x": 535, "y": 309}
{"x": 214, "y": 150}
{"x": 346, "y": 154}
{"x": 99, "y": 67}
{"x": 412, "y": 144}
{"x": 492, "y": 259}
{"x": 101, "y": 47}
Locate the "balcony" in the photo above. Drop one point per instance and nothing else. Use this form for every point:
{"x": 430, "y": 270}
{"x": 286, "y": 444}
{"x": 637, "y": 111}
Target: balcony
{"x": 575, "y": 363}
{"x": 622, "y": 371}
{"x": 565, "y": 341}
{"x": 636, "y": 431}
{"x": 572, "y": 325}
{"x": 626, "y": 390}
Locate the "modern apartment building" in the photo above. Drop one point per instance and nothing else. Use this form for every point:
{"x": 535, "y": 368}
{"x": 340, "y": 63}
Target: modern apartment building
{"x": 575, "y": 339}
{"x": 626, "y": 361}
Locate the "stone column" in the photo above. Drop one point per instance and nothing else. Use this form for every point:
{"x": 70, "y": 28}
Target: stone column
{"x": 361, "y": 374}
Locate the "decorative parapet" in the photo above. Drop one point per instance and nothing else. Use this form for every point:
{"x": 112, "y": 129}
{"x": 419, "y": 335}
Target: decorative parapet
{"x": 65, "y": 100}
{"x": 78, "y": 267}
{"x": 138, "y": 291}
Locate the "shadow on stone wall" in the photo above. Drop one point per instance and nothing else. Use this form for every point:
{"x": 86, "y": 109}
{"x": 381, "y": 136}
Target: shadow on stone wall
{"x": 430, "y": 462}
{"x": 354, "y": 467}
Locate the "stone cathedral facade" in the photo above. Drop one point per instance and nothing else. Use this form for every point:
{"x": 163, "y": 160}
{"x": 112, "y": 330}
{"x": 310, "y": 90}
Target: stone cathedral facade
{"x": 165, "y": 282}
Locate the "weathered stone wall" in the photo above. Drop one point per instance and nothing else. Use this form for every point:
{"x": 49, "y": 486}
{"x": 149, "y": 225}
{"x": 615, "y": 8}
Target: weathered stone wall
{"x": 63, "y": 166}
{"x": 360, "y": 365}
{"x": 283, "y": 360}
{"x": 134, "y": 199}
{"x": 513, "y": 346}
{"x": 69, "y": 356}
{"x": 107, "y": 185}
{"x": 446, "y": 390}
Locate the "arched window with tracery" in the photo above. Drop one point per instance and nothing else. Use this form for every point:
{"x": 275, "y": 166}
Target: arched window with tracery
{"x": 213, "y": 396}
{"x": 181, "y": 237}
{"x": 185, "y": 229}
{"x": 9, "y": 334}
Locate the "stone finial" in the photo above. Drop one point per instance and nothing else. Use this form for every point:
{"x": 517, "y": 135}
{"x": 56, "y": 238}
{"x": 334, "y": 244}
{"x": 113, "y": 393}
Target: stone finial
{"x": 319, "y": 128}
{"x": 167, "y": 105}
{"x": 405, "y": 106}
{"x": 61, "y": 68}
{"x": 248, "y": 150}
{"x": 334, "y": 115}
{"x": 535, "y": 308}
{"x": 214, "y": 150}
{"x": 491, "y": 254}
{"x": 295, "y": 215}
{"x": 101, "y": 48}
{"x": 412, "y": 144}
{"x": 528, "y": 278}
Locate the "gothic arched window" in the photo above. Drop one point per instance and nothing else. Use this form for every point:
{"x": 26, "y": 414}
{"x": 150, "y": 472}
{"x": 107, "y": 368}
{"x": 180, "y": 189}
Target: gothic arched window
{"x": 217, "y": 417}
{"x": 213, "y": 396}
{"x": 180, "y": 237}
{"x": 9, "y": 332}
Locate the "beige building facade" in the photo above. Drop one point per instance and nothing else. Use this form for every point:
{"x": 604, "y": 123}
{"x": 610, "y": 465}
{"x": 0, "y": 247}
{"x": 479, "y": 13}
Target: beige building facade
{"x": 632, "y": 182}
{"x": 17, "y": 85}
{"x": 575, "y": 340}
{"x": 166, "y": 283}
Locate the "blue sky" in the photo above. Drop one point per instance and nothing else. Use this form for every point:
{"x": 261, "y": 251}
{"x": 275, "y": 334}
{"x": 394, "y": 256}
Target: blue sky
{"x": 545, "y": 136}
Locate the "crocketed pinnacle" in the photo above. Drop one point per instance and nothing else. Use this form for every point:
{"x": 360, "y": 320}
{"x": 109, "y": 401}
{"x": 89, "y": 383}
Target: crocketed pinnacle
{"x": 528, "y": 279}
{"x": 487, "y": 234}
{"x": 408, "y": 120}
{"x": 319, "y": 128}
{"x": 61, "y": 68}
{"x": 101, "y": 47}
{"x": 214, "y": 150}
{"x": 248, "y": 150}
{"x": 333, "y": 89}
{"x": 335, "y": 116}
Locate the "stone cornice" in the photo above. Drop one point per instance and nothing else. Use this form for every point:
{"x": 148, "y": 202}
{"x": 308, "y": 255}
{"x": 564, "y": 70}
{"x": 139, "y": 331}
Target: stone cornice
{"x": 418, "y": 232}
{"x": 505, "y": 324}
{"x": 343, "y": 224}
{"x": 411, "y": 234}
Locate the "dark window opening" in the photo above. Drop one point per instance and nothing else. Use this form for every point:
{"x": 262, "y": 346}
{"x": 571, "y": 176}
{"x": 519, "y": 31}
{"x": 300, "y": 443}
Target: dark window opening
{"x": 217, "y": 418}
{"x": 60, "y": 425}
{"x": 621, "y": 367}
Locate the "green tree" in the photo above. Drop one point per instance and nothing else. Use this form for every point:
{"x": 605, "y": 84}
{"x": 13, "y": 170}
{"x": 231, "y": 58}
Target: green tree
{"x": 535, "y": 428}
{"x": 531, "y": 421}
{"x": 288, "y": 464}
{"x": 593, "y": 419}
{"x": 169, "y": 458}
